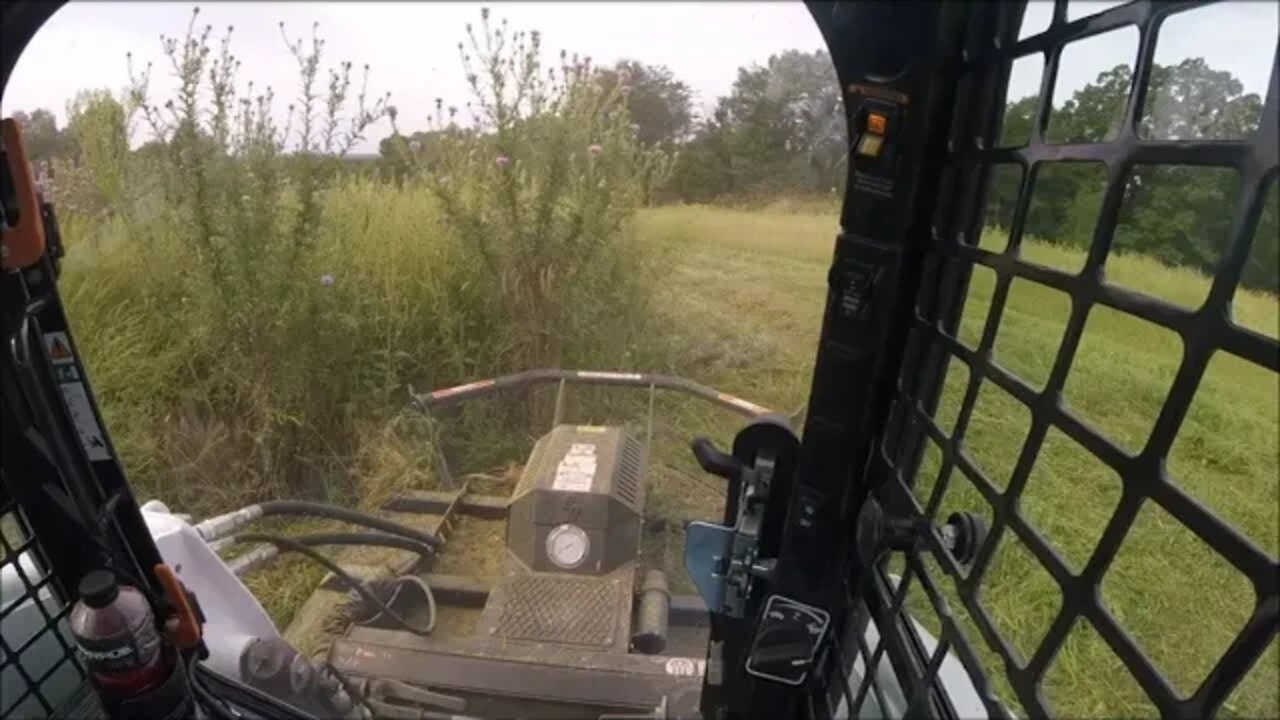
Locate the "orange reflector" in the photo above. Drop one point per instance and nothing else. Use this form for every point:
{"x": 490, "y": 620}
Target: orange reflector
{"x": 185, "y": 631}
{"x": 21, "y": 244}
{"x": 877, "y": 123}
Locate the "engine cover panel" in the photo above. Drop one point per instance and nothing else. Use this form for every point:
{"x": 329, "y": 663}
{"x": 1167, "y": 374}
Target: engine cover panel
{"x": 577, "y": 508}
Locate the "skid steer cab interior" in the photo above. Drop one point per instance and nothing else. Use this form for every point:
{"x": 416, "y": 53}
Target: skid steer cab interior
{"x": 831, "y": 587}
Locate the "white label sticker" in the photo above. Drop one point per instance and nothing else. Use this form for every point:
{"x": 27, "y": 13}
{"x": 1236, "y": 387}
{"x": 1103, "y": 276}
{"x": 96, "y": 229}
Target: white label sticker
{"x": 814, "y": 620}
{"x": 685, "y": 667}
{"x": 59, "y": 347}
{"x": 608, "y": 375}
{"x": 577, "y": 469}
{"x": 86, "y": 425}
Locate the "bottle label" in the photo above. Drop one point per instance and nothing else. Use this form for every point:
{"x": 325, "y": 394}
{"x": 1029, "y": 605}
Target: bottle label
{"x": 108, "y": 655}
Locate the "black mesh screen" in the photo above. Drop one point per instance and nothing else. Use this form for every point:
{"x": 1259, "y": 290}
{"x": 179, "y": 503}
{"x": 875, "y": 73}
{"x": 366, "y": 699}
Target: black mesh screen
{"x": 1087, "y": 577}
{"x": 39, "y": 669}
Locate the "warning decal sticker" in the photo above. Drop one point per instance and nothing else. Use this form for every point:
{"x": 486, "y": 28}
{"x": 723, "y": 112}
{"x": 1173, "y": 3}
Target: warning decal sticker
{"x": 577, "y": 470}
{"x": 59, "y": 348}
{"x": 86, "y": 425}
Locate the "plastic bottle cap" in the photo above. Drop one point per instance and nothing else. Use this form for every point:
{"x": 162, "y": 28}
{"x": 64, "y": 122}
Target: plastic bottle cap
{"x": 99, "y": 588}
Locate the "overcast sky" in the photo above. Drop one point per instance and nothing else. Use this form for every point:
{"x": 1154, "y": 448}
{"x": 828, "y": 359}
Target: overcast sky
{"x": 412, "y": 47}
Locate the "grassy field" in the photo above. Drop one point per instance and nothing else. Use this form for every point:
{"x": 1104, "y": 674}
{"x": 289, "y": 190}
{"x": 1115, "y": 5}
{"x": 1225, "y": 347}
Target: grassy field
{"x": 738, "y": 303}
{"x": 754, "y": 283}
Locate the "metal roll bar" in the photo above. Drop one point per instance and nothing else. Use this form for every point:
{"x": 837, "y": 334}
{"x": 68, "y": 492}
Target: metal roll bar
{"x": 445, "y": 397}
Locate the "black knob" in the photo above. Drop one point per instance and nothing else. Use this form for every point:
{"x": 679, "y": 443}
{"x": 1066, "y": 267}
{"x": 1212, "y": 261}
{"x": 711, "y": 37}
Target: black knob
{"x": 713, "y": 460}
{"x": 783, "y": 643}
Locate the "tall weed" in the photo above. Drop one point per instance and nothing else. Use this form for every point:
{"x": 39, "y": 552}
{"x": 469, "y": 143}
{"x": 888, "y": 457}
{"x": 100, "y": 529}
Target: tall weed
{"x": 253, "y": 310}
{"x": 539, "y": 191}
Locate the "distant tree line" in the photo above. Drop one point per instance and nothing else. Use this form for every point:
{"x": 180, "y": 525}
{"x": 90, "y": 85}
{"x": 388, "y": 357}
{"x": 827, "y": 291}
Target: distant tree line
{"x": 781, "y": 131}
{"x": 1180, "y": 214}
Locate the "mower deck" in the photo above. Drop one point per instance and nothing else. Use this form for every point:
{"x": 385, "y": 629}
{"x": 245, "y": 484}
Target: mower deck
{"x": 506, "y": 678}
{"x": 531, "y": 644}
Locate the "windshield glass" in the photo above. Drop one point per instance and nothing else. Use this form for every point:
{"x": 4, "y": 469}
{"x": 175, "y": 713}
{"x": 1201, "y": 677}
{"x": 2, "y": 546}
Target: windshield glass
{"x": 282, "y": 220}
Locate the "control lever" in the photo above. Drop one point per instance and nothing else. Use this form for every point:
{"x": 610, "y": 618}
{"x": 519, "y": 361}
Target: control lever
{"x": 798, "y": 650}
{"x": 713, "y": 461}
{"x": 725, "y": 561}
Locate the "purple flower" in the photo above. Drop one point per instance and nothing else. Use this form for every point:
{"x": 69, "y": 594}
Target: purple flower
{"x": 327, "y": 280}
{"x": 502, "y": 161}
{"x": 594, "y": 148}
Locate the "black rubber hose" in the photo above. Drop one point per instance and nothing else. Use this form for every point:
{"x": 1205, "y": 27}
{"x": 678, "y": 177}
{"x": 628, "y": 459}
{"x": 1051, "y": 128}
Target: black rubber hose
{"x": 290, "y": 545}
{"x": 376, "y": 539}
{"x": 205, "y": 699}
{"x": 355, "y": 517}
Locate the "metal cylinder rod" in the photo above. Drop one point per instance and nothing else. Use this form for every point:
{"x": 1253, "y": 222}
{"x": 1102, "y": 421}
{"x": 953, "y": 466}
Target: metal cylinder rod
{"x": 653, "y": 616}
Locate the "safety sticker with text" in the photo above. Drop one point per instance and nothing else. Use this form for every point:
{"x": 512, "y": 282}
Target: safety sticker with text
{"x": 59, "y": 348}
{"x": 77, "y": 398}
{"x": 577, "y": 470}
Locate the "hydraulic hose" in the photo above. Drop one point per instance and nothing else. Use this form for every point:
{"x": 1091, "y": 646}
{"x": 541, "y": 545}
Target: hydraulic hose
{"x": 355, "y": 517}
{"x": 263, "y": 553}
{"x": 221, "y": 526}
{"x": 375, "y": 539}
{"x": 290, "y": 545}
{"x": 428, "y": 596}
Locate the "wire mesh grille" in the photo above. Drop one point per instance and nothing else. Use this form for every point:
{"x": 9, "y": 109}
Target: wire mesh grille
{"x": 547, "y": 608}
{"x": 39, "y": 669}
{"x": 931, "y": 447}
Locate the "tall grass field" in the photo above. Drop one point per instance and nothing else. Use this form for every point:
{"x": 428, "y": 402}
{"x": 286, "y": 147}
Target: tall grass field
{"x": 739, "y": 302}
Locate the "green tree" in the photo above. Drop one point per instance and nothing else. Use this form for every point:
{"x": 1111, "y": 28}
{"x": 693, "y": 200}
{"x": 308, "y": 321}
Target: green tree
{"x": 1094, "y": 112}
{"x": 42, "y": 138}
{"x": 425, "y": 146}
{"x": 539, "y": 192}
{"x": 1263, "y": 267}
{"x": 1192, "y": 101}
{"x": 661, "y": 107}
{"x": 99, "y": 125}
{"x": 1179, "y": 214}
{"x": 780, "y": 129}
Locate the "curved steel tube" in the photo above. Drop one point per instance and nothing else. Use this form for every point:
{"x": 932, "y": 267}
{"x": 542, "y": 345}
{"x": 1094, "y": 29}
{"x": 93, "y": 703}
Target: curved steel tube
{"x": 445, "y": 397}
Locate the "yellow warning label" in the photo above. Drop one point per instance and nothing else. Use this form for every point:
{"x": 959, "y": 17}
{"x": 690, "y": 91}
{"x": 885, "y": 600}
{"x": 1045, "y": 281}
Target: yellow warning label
{"x": 870, "y": 145}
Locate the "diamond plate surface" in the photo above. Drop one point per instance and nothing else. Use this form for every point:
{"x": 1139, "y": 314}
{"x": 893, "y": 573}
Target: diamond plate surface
{"x": 580, "y": 611}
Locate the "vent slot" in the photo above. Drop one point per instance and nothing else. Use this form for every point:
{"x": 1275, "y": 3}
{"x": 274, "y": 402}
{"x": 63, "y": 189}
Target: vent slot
{"x": 630, "y": 464}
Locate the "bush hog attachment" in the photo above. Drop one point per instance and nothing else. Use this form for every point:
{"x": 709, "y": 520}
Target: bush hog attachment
{"x": 572, "y": 627}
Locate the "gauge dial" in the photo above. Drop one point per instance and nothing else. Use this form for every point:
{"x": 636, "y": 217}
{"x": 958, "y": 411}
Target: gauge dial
{"x": 568, "y": 546}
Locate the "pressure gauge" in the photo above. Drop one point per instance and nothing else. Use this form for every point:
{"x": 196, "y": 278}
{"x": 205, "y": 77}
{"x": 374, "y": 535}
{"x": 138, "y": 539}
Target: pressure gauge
{"x": 568, "y": 546}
